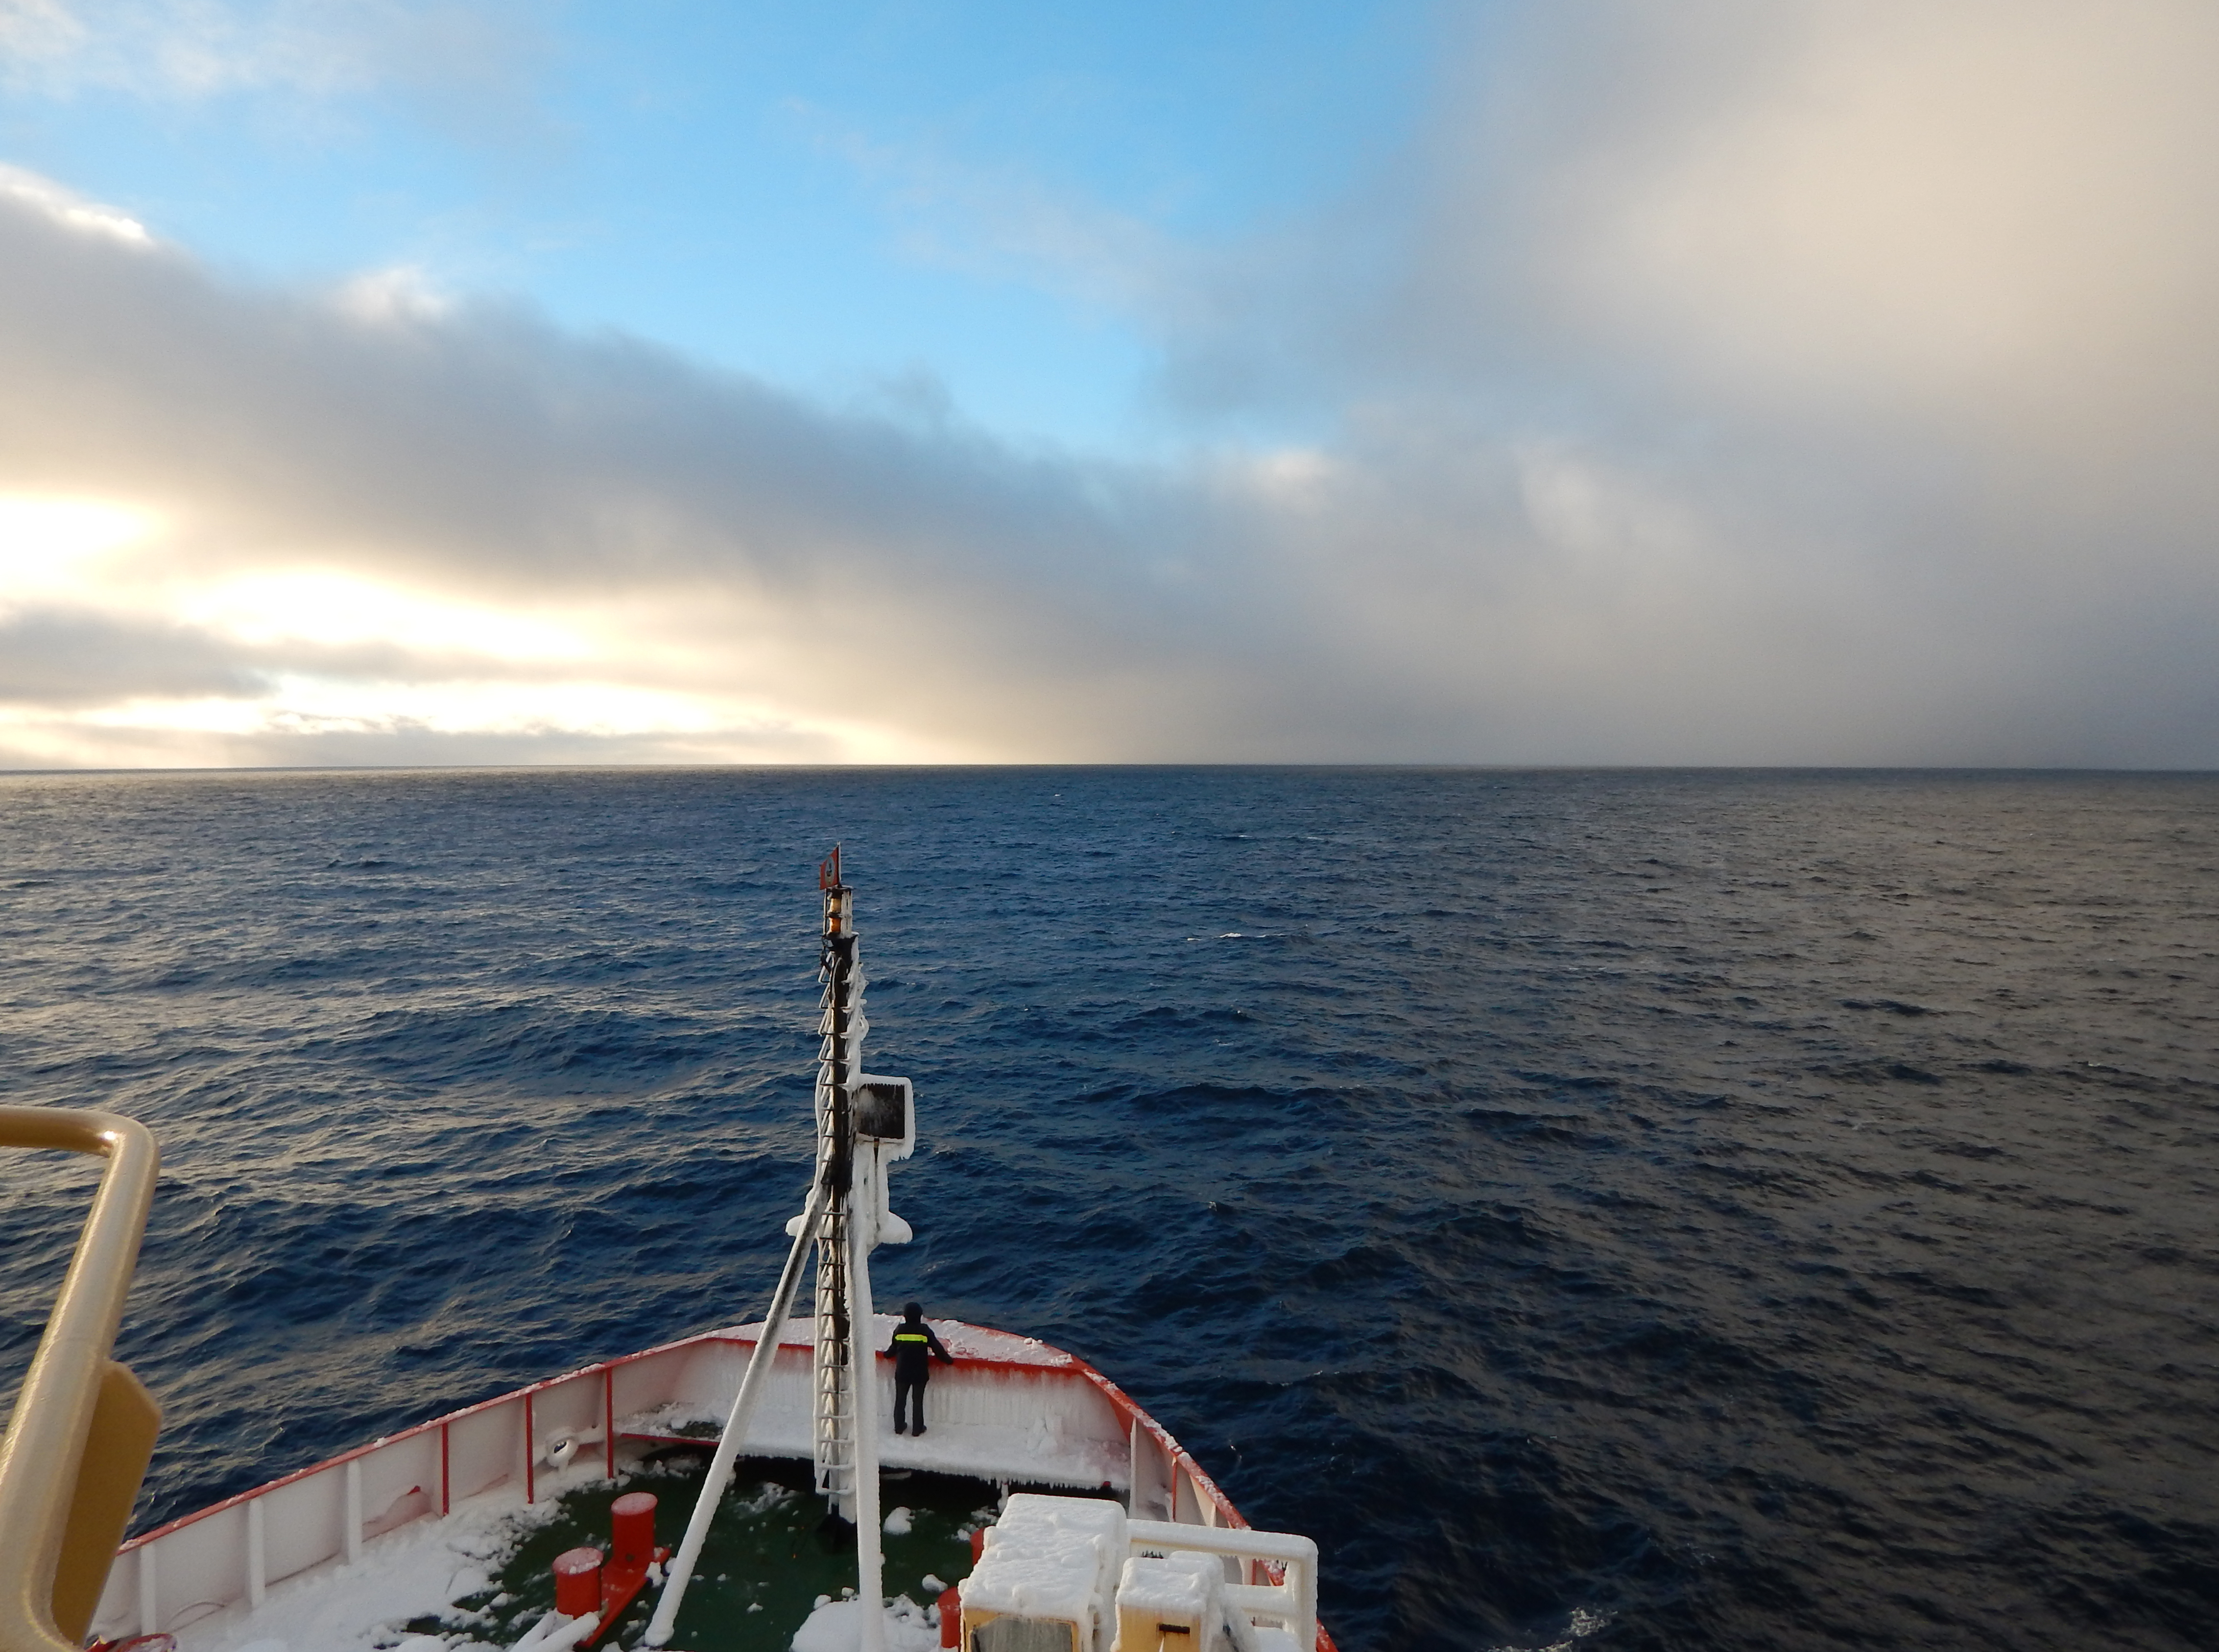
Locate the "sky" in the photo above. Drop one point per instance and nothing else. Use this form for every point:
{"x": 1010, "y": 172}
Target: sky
{"x": 1588, "y": 381}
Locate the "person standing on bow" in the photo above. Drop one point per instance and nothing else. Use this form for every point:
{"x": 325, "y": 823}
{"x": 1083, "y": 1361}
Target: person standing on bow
{"x": 912, "y": 1346}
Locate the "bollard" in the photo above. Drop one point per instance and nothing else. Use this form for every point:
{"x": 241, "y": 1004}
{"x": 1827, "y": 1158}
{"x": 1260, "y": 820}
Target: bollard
{"x": 951, "y": 1617}
{"x": 632, "y": 1520}
{"x": 578, "y": 1581}
{"x": 977, "y": 1544}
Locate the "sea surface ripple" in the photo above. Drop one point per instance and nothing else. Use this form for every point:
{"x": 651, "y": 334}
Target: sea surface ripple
{"x": 1619, "y": 1209}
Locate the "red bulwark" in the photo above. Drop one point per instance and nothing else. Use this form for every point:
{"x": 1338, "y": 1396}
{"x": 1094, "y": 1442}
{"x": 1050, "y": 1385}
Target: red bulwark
{"x": 1035, "y": 1356}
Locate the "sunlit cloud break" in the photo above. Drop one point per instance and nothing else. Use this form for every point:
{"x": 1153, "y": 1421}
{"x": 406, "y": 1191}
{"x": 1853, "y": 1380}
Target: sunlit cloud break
{"x": 1720, "y": 382}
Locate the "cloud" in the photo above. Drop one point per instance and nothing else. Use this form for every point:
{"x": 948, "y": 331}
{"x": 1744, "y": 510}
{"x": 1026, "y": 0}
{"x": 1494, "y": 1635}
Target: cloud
{"x": 1713, "y": 381}
{"x": 911, "y": 593}
{"x": 48, "y": 198}
{"x": 1975, "y": 219}
{"x": 1874, "y": 334}
{"x": 466, "y": 65}
{"x": 60, "y": 660}
{"x": 1004, "y": 221}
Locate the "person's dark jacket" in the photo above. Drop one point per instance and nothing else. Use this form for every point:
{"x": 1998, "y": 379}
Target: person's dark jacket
{"x": 912, "y": 1345}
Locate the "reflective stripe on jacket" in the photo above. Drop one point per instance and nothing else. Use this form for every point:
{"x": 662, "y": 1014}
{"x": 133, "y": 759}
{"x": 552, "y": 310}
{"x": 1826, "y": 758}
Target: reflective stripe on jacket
{"x": 914, "y": 1344}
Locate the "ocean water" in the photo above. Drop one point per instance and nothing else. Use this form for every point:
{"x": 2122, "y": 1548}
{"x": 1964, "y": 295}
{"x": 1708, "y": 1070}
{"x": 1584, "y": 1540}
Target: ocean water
{"x": 1609, "y": 1210}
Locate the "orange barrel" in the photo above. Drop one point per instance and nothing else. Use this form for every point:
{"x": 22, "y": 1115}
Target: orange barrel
{"x": 631, "y": 1521}
{"x": 951, "y": 1617}
{"x": 578, "y": 1581}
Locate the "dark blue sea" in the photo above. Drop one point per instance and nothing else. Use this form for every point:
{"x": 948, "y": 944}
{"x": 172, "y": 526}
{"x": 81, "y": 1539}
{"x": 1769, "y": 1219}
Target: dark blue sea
{"x": 1635, "y": 1210}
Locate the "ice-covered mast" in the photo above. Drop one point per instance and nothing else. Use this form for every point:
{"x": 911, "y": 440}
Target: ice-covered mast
{"x": 864, "y": 1123}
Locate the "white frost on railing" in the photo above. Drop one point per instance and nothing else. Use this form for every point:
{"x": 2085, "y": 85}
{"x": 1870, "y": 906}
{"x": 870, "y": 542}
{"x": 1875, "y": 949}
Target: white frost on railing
{"x": 1038, "y": 1418}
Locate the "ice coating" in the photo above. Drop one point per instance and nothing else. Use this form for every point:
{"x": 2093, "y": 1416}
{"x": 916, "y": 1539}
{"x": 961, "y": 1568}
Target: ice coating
{"x": 1010, "y": 1409}
{"x": 1050, "y": 1557}
{"x": 1183, "y": 1585}
{"x": 837, "y": 1626}
{"x": 418, "y": 1570}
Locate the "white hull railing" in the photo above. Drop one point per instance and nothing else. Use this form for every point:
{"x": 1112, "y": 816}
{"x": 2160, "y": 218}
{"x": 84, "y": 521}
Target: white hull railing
{"x": 1291, "y": 1601}
{"x": 333, "y": 1513}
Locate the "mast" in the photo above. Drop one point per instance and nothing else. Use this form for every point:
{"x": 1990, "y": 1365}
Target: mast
{"x": 864, "y": 1122}
{"x": 841, "y": 1026}
{"x": 855, "y": 1129}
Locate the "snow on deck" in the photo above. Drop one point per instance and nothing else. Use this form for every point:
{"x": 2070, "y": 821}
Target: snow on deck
{"x": 417, "y": 1571}
{"x": 340, "y": 1553}
{"x": 835, "y": 1626}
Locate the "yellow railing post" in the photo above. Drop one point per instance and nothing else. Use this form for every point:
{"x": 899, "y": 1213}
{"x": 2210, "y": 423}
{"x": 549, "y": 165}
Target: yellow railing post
{"x": 77, "y": 1444}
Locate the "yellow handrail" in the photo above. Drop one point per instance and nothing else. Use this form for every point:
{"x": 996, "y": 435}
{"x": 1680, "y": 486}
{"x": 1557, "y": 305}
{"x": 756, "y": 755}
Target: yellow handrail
{"x": 53, "y": 1481}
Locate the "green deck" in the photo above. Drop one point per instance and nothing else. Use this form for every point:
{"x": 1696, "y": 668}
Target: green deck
{"x": 766, "y": 1562}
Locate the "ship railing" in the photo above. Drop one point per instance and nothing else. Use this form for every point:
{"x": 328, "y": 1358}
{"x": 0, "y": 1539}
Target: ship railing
{"x": 1168, "y": 1492}
{"x": 83, "y": 1427}
{"x": 1291, "y": 1600}
{"x": 232, "y": 1553}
